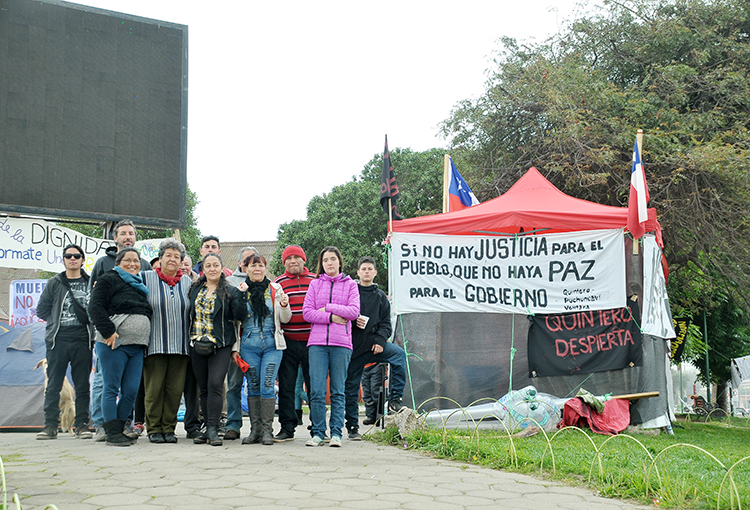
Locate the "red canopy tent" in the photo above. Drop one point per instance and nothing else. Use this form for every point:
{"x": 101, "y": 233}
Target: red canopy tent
{"x": 531, "y": 204}
{"x": 464, "y": 356}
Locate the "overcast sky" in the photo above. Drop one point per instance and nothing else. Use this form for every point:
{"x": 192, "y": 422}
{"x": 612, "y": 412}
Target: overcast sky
{"x": 288, "y": 99}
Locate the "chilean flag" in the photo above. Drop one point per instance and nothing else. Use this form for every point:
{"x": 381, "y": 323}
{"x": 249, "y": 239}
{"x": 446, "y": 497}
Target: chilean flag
{"x": 637, "y": 208}
{"x": 460, "y": 195}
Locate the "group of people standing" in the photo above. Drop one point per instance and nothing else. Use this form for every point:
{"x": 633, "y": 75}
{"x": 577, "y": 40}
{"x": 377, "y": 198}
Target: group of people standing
{"x": 167, "y": 329}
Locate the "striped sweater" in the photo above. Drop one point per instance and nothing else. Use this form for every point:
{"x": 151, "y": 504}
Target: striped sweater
{"x": 295, "y": 286}
{"x": 170, "y": 324}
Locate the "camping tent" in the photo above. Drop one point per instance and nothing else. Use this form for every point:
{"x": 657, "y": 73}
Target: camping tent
{"x": 21, "y": 387}
{"x": 468, "y": 356}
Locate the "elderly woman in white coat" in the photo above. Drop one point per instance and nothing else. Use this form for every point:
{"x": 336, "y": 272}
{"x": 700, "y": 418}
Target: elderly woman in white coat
{"x": 261, "y": 347}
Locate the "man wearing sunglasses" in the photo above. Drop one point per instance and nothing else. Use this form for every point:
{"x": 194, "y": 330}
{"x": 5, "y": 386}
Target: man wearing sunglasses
{"x": 69, "y": 337}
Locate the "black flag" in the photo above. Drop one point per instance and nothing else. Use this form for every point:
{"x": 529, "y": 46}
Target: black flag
{"x": 388, "y": 187}
{"x": 681, "y": 325}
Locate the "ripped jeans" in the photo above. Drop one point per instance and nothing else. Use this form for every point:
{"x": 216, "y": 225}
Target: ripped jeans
{"x": 259, "y": 351}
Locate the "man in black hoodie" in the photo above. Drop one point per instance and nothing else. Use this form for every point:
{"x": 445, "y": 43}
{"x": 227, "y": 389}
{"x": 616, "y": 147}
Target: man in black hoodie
{"x": 125, "y": 235}
{"x": 370, "y": 344}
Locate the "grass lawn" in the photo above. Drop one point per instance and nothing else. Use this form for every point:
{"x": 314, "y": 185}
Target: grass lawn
{"x": 685, "y": 470}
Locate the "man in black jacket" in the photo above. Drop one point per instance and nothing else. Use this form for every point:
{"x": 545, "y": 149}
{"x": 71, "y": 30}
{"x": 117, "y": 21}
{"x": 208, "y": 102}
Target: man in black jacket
{"x": 69, "y": 337}
{"x": 370, "y": 344}
{"x": 125, "y": 236}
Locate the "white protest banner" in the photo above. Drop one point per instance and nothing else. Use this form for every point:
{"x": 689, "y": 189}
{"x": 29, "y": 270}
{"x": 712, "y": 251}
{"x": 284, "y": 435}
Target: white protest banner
{"x": 37, "y": 244}
{"x": 24, "y": 296}
{"x": 657, "y": 315}
{"x": 552, "y": 273}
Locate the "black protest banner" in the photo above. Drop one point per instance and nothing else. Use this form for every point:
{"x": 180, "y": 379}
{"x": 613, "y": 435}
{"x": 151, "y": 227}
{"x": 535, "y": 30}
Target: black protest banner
{"x": 584, "y": 342}
{"x": 681, "y": 325}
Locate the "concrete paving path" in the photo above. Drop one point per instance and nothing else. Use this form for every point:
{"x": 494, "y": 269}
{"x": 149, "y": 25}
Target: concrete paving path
{"x": 80, "y": 474}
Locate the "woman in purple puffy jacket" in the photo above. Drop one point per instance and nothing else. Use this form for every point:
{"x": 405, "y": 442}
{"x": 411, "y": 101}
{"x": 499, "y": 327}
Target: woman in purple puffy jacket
{"x": 331, "y": 304}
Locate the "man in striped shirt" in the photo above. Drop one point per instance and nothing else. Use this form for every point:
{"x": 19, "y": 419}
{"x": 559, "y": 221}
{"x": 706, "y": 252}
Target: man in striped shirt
{"x": 295, "y": 282}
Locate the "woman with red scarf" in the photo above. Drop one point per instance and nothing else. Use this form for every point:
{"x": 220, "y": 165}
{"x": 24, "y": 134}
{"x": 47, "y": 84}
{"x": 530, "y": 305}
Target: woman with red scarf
{"x": 167, "y": 355}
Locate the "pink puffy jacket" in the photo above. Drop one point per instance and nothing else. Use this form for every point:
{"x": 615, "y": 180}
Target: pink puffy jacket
{"x": 339, "y": 296}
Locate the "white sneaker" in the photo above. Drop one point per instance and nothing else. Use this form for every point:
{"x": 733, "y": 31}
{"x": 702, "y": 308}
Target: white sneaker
{"x": 335, "y": 442}
{"x": 315, "y": 441}
{"x": 100, "y": 435}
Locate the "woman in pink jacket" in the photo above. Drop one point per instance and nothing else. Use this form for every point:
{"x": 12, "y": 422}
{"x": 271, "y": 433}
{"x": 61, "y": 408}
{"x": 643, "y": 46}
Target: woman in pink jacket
{"x": 331, "y": 304}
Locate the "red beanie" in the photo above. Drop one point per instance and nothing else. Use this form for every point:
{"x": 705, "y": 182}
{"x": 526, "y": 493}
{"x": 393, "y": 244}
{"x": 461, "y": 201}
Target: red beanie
{"x": 293, "y": 250}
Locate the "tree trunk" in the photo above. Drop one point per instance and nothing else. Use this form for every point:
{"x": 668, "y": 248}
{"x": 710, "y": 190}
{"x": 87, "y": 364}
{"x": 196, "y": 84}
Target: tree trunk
{"x": 721, "y": 396}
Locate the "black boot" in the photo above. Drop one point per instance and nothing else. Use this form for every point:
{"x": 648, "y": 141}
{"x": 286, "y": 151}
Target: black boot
{"x": 253, "y": 411}
{"x": 267, "y": 409}
{"x": 115, "y": 437}
{"x": 200, "y": 437}
{"x": 299, "y": 417}
{"x": 212, "y": 431}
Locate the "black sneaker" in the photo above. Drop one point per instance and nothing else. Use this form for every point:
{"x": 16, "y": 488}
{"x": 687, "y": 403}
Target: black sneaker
{"x": 83, "y": 432}
{"x": 48, "y": 432}
{"x": 283, "y": 436}
{"x": 368, "y": 421}
{"x": 395, "y": 406}
{"x": 353, "y": 435}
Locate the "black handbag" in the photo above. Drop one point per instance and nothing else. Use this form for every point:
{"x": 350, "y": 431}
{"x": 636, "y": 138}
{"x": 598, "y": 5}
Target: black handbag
{"x": 204, "y": 346}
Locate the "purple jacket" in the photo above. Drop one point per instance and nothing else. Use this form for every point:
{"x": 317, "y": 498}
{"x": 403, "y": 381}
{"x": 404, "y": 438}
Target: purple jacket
{"x": 339, "y": 296}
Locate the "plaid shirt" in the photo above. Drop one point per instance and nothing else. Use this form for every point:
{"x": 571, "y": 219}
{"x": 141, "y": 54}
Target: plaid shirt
{"x": 204, "y": 307}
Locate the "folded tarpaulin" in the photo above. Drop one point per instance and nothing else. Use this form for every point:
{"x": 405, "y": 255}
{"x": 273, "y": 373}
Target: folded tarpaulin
{"x": 614, "y": 419}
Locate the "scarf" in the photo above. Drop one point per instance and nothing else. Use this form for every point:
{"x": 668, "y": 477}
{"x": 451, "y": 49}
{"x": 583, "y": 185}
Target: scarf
{"x": 134, "y": 280}
{"x": 169, "y": 280}
{"x": 257, "y": 291}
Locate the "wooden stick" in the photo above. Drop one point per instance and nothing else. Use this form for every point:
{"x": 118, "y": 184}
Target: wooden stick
{"x": 636, "y": 396}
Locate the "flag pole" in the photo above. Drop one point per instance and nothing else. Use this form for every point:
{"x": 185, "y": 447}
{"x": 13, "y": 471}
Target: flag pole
{"x": 639, "y": 142}
{"x": 446, "y": 174}
{"x": 390, "y": 216}
{"x": 639, "y": 139}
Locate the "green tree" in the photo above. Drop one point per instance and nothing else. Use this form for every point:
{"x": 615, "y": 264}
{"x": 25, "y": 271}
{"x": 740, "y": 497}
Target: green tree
{"x": 678, "y": 69}
{"x": 350, "y": 216}
{"x": 728, "y": 335}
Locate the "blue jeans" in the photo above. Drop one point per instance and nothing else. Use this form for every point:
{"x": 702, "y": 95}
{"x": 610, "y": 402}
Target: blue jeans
{"x": 392, "y": 354}
{"x": 235, "y": 377}
{"x": 259, "y": 351}
{"x": 121, "y": 373}
{"x": 96, "y": 393}
{"x": 327, "y": 361}
{"x": 77, "y": 353}
{"x": 299, "y": 390}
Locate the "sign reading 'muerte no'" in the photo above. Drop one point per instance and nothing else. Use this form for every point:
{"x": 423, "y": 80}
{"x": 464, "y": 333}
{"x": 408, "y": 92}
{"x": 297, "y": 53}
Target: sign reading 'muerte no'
{"x": 553, "y": 273}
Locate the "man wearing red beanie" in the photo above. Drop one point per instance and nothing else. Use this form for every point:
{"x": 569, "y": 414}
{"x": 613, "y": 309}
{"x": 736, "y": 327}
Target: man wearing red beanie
{"x": 295, "y": 282}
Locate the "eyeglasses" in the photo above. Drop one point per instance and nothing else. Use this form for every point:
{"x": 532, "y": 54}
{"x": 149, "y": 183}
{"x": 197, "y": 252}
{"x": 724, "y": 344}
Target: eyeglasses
{"x": 73, "y": 256}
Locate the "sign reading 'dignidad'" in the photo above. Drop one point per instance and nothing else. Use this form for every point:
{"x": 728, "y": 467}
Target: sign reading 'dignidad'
{"x": 552, "y": 273}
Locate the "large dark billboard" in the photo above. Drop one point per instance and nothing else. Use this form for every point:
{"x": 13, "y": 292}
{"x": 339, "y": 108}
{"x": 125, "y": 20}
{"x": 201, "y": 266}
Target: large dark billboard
{"x": 93, "y": 114}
